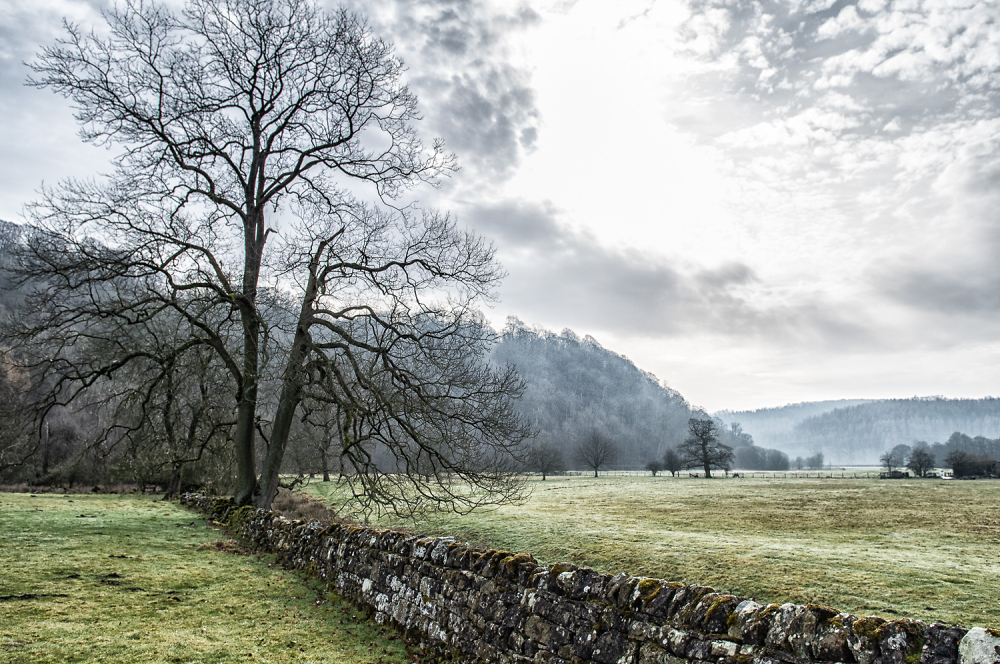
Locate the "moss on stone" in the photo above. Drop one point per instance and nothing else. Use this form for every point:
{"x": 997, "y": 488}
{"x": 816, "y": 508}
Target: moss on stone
{"x": 868, "y": 626}
{"x": 649, "y": 589}
{"x": 559, "y": 568}
{"x": 512, "y": 563}
{"x": 718, "y": 605}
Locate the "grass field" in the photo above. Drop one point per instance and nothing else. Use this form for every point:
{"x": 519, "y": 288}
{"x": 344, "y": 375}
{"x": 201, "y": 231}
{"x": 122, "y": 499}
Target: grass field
{"x": 924, "y": 549}
{"x": 126, "y": 579}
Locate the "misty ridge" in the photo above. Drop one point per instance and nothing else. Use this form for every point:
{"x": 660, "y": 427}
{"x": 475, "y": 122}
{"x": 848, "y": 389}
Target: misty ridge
{"x": 859, "y": 431}
{"x": 576, "y": 386}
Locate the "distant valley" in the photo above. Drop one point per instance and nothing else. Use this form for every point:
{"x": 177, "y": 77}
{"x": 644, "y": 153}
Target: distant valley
{"x": 575, "y": 385}
{"x": 859, "y": 431}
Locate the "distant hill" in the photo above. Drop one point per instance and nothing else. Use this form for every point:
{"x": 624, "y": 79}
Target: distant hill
{"x": 859, "y": 431}
{"x": 576, "y": 385}
{"x": 774, "y": 427}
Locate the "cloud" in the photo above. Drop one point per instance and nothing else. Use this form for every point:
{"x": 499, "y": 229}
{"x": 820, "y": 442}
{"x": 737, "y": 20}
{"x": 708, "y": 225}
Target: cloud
{"x": 472, "y": 92}
{"x": 458, "y": 53}
{"x": 564, "y": 275}
{"x": 38, "y": 133}
{"x": 878, "y": 122}
{"x": 847, "y": 19}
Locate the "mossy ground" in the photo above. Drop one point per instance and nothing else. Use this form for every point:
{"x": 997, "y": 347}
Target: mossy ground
{"x": 130, "y": 579}
{"x": 922, "y": 549}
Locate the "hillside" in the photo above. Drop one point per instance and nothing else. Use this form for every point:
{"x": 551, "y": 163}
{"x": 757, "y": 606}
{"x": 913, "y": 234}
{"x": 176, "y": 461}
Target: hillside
{"x": 774, "y": 427}
{"x": 857, "y": 432}
{"x": 575, "y": 385}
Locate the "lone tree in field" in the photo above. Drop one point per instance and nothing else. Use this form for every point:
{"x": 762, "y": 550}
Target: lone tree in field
{"x": 596, "y": 451}
{"x": 243, "y": 128}
{"x": 921, "y": 461}
{"x": 703, "y": 449}
{"x": 654, "y": 466}
{"x": 546, "y": 459}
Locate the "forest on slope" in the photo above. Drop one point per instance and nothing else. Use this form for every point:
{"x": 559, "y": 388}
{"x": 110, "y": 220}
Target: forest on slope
{"x": 858, "y": 432}
{"x": 575, "y": 385}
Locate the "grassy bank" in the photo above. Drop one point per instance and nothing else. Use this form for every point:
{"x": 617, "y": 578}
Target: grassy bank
{"x": 127, "y": 579}
{"x": 917, "y": 548}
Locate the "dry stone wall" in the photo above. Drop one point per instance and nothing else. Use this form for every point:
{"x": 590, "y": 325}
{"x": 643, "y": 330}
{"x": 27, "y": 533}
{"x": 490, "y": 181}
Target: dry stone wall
{"x": 498, "y": 606}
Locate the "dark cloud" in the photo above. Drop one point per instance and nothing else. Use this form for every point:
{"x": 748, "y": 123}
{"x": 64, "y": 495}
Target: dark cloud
{"x": 558, "y": 273}
{"x": 940, "y": 292}
{"x": 460, "y": 67}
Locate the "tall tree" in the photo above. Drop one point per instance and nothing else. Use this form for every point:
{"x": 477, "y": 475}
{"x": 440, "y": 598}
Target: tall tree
{"x": 702, "y": 447}
{"x": 596, "y": 451}
{"x": 243, "y": 125}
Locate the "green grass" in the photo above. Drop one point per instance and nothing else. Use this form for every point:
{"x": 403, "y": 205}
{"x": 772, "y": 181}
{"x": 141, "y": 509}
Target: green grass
{"x": 128, "y": 579}
{"x": 923, "y": 549}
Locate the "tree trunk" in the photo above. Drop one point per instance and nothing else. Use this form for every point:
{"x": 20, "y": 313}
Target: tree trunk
{"x": 246, "y": 412}
{"x": 246, "y": 467}
{"x": 288, "y": 402}
{"x": 174, "y": 487}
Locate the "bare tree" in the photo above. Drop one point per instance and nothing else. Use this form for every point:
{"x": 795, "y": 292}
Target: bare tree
{"x": 242, "y": 124}
{"x": 672, "y": 461}
{"x": 815, "y": 462}
{"x": 890, "y": 461}
{"x": 596, "y": 451}
{"x": 921, "y": 461}
{"x": 654, "y": 466}
{"x": 546, "y": 459}
{"x": 702, "y": 447}
{"x": 17, "y": 444}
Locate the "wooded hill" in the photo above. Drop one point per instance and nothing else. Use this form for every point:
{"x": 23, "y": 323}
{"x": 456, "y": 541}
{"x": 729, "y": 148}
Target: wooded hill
{"x": 575, "y": 385}
{"x": 858, "y": 432}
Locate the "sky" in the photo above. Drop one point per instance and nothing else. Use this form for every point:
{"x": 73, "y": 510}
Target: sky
{"x": 759, "y": 202}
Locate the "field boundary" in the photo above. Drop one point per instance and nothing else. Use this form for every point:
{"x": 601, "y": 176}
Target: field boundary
{"x": 499, "y": 606}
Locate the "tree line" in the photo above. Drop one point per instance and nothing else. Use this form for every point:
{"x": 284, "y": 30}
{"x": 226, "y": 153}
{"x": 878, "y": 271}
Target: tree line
{"x": 859, "y": 431}
{"x": 967, "y": 456}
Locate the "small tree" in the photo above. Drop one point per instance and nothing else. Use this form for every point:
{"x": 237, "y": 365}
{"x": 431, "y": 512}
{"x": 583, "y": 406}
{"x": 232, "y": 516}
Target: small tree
{"x": 920, "y": 461}
{"x": 672, "y": 461}
{"x": 546, "y": 459}
{"x": 596, "y": 451}
{"x": 654, "y": 466}
{"x": 959, "y": 462}
{"x": 815, "y": 462}
{"x": 890, "y": 461}
{"x": 702, "y": 447}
